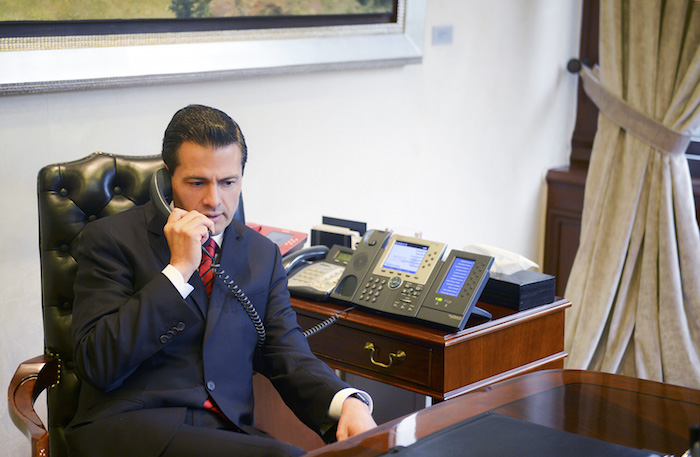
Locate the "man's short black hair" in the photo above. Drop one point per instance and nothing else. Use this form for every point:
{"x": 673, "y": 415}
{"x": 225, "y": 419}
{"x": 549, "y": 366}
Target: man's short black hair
{"x": 204, "y": 126}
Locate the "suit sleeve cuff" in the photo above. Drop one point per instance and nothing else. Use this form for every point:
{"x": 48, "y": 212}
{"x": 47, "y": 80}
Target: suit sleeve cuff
{"x": 177, "y": 280}
{"x": 341, "y": 395}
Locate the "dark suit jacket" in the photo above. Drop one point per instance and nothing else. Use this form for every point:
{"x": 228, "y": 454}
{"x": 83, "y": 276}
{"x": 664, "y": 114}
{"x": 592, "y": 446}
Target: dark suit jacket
{"x": 144, "y": 354}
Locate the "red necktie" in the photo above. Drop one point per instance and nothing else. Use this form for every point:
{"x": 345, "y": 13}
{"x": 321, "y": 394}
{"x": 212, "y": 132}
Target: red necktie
{"x": 205, "y": 271}
{"x": 207, "y": 275}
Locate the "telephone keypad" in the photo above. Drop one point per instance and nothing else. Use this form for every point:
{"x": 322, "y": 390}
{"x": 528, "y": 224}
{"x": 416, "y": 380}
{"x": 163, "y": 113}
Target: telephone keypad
{"x": 372, "y": 290}
{"x": 321, "y": 276}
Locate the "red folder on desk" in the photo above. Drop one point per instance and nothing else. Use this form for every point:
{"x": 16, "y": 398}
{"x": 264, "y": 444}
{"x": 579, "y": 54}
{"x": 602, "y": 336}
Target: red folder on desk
{"x": 287, "y": 240}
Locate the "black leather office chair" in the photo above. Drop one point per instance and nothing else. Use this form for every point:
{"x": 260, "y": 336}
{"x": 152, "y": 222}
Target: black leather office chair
{"x": 70, "y": 195}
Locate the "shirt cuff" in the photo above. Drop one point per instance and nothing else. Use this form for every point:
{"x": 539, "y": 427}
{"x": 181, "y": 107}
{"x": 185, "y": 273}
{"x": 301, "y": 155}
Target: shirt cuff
{"x": 175, "y": 277}
{"x": 341, "y": 395}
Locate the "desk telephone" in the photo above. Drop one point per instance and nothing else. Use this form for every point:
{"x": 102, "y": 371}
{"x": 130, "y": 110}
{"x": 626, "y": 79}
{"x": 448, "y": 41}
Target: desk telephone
{"x": 401, "y": 276}
{"x": 314, "y": 272}
{"x": 405, "y": 277}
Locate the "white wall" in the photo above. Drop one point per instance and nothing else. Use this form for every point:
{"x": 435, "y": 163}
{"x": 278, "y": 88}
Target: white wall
{"x": 457, "y": 146}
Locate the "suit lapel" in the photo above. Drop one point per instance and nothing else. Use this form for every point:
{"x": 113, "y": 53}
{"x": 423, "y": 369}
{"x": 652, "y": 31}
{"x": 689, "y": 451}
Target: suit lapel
{"x": 156, "y": 237}
{"x": 231, "y": 262}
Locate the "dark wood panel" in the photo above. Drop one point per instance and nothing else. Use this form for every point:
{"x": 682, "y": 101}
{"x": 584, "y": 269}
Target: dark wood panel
{"x": 586, "y": 111}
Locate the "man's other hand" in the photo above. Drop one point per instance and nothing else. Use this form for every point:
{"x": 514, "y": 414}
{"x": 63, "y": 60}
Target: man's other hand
{"x": 355, "y": 418}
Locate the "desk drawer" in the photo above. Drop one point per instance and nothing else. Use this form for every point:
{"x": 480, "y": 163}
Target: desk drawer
{"x": 366, "y": 351}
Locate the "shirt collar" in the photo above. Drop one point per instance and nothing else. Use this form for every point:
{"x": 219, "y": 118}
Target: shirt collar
{"x": 218, "y": 239}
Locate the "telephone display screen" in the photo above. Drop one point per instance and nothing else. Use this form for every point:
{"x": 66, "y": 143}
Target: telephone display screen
{"x": 344, "y": 256}
{"x": 456, "y": 277}
{"x": 278, "y": 237}
{"x": 405, "y": 257}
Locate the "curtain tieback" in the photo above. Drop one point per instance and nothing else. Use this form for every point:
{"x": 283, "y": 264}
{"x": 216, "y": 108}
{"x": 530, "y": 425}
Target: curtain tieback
{"x": 631, "y": 119}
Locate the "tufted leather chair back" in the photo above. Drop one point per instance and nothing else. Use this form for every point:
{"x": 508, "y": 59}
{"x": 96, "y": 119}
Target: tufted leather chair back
{"x": 71, "y": 194}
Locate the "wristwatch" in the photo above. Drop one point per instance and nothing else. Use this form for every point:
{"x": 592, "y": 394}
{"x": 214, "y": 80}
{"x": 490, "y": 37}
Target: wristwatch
{"x": 360, "y": 397}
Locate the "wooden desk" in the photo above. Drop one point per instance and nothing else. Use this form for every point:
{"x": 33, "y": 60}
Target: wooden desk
{"x": 622, "y": 410}
{"x": 439, "y": 364}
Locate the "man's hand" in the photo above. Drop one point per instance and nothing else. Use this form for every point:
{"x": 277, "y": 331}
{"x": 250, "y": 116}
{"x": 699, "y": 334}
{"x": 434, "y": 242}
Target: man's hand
{"x": 355, "y": 418}
{"x": 185, "y": 232}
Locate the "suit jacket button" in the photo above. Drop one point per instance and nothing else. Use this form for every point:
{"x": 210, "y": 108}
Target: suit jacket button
{"x": 211, "y": 385}
{"x": 164, "y": 339}
{"x": 180, "y": 326}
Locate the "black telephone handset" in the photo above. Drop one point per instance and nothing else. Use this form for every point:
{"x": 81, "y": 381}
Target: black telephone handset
{"x": 161, "y": 193}
{"x": 297, "y": 260}
{"x": 405, "y": 277}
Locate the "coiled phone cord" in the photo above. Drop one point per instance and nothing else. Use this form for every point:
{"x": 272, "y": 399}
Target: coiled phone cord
{"x": 323, "y": 324}
{"x": 253, "y": 313}
{"x": 243, "y": 300}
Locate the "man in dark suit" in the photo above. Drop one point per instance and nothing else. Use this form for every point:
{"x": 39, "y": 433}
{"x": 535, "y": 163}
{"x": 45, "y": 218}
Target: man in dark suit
{"x": 166, "y": 369}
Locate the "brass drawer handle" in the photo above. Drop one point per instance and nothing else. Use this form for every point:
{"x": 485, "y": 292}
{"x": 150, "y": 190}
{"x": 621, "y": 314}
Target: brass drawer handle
{"x": 398, "y": 356}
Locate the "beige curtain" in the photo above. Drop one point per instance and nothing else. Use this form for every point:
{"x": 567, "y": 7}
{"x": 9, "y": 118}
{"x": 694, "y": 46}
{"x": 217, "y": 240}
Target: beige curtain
{"x": 635, "y": 283}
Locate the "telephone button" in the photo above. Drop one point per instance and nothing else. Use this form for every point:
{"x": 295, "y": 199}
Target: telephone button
{"x": 395, "y": 282}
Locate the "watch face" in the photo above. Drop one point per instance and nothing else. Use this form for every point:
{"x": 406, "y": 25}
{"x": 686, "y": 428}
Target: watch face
{"x": 361, "y": 398}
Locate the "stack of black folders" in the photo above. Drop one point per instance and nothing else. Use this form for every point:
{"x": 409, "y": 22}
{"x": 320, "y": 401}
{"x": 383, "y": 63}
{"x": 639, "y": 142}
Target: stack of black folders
{"x": 494, "y": 435}
{"x": 521, "y": 290}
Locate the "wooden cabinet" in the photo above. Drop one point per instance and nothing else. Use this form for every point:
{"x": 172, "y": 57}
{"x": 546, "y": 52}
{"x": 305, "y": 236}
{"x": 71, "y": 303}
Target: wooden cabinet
{"x": 435, "y": 362}
{"x": 563, "y": 223}
{"x": 420, "y": 359}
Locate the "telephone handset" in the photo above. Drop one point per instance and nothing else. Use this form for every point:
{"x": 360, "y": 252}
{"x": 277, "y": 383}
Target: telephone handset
{"x": 161, "y": 192}
{"x": 406, "y": 277}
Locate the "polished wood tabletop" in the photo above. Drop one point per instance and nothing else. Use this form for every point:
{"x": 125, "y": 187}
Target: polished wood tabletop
{"x": 618, "y": 409}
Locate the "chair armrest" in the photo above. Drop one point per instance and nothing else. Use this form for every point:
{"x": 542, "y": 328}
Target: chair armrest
{"x": 31, "y": 378}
